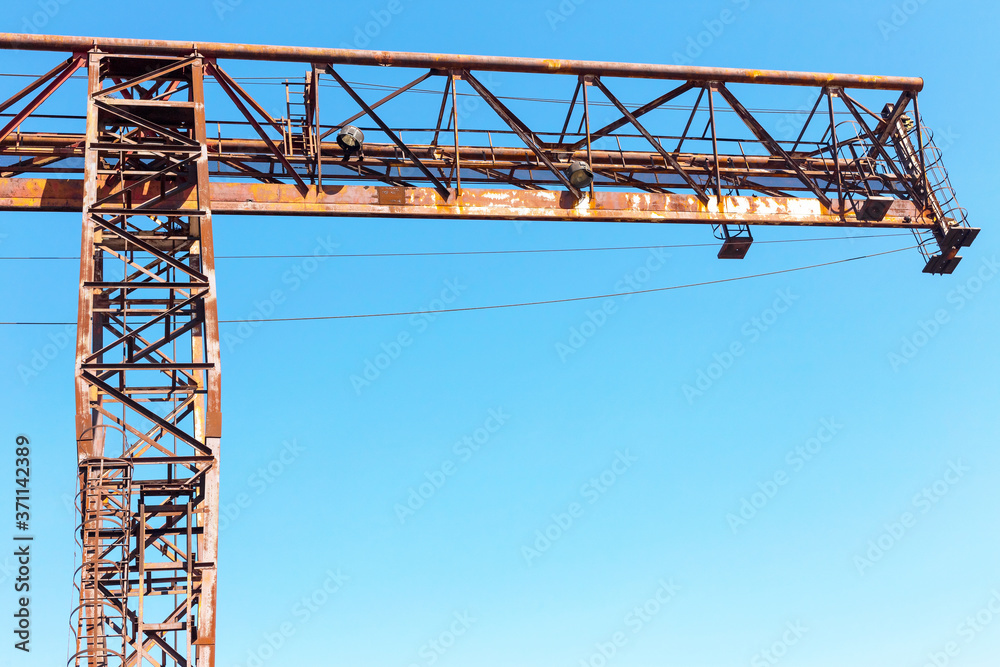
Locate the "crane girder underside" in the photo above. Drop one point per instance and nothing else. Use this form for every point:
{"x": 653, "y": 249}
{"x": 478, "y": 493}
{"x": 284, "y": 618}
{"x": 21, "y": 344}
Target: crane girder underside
{"x": 403, "y": 202}
{"x": 148, "y": 179}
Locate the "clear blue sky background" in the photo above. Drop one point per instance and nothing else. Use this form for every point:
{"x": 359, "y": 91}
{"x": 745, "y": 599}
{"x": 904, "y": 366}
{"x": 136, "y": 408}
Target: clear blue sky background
{"x": 332, "y": 508}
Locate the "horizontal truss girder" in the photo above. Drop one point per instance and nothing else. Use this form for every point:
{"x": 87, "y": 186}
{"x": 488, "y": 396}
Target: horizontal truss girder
{"x": 387, "y": 201}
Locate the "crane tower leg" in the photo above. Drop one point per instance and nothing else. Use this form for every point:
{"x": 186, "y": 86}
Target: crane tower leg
{"x": 148, "y": 419}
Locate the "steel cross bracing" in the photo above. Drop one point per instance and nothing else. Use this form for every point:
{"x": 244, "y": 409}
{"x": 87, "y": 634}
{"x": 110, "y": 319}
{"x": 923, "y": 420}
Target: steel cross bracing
{"x": 147, "y": 370}
{"x": 147, "y": 177}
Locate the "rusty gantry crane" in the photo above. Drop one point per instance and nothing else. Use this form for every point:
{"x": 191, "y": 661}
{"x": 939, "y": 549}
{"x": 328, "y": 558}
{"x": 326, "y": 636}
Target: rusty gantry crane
{"x": 148, "y": 177}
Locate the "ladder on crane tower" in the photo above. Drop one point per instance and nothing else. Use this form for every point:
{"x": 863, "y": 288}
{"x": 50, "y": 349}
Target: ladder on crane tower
{"x": 299, "y": 137}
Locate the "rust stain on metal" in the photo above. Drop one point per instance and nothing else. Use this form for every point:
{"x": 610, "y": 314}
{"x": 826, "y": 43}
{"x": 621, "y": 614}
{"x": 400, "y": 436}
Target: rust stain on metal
{"x": 353, "y": 200}
{"x": 390, "y": 196}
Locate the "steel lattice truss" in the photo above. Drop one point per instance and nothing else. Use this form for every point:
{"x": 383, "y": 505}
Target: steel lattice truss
{"x": 147, "y": 391}
{"x": 147, "y": 177}
{"x": 694, "y": 153}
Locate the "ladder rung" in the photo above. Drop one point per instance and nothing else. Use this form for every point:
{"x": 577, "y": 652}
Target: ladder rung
{"x": 164, "y": 627}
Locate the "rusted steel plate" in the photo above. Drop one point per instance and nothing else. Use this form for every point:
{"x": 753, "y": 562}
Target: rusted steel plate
{"x": 255, "y": 198}
{"x": 394, "y": 202}
{"x": 41, "y": 194}
{"x": 33, "y": 42}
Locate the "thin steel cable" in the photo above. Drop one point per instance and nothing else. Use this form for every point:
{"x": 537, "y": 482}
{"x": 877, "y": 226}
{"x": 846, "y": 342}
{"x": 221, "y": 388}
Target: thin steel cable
{"x": 499, "y": 252}
{"x": 525, "y": 303}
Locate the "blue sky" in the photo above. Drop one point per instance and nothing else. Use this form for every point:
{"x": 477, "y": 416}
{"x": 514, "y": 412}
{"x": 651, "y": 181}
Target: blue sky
{"x": 638, "y": 484}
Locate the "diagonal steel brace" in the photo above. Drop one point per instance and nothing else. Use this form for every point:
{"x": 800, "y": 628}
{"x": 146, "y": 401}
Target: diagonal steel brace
{"x": 769, "y": 142}
{"x": 520, "y": 128}
{"x": 656, "y": 144}
{"x": 222, "y": 77}
{"x": 443, "y": 191}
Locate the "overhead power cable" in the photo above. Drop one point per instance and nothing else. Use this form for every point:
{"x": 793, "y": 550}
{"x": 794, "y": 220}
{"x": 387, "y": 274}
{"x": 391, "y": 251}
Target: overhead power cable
{"x": 525, "y": 303}
{"x": 496, "y": 252}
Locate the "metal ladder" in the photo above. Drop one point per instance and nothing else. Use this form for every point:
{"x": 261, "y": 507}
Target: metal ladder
{"x": 101, "y": 625}
{"x": 942, "y": 195}
{"x": 299, "y": 138}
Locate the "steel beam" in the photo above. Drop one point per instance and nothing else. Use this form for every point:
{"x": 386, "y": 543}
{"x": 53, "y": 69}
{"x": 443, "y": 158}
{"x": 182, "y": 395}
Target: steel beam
{"x": 70, "y": 145}
{"x": 31, "y": 42}
{"x": 19, "y": 194}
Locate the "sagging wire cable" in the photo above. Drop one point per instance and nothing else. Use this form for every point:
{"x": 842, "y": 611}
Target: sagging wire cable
{"x": 493, "y": 252}
{"x": 526, "y": 303}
